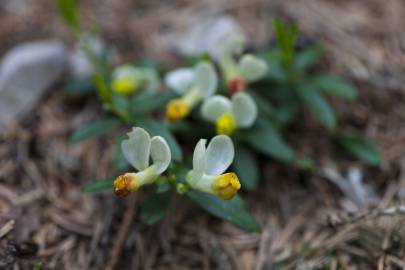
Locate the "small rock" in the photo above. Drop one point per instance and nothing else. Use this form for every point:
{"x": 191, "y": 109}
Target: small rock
{"x": 360, "y": 193}
{"x": 18, "y": 7}
{"x": 363, "y": 193}
{"x": 26, "y": 71}
{"x": 206, "y": 34}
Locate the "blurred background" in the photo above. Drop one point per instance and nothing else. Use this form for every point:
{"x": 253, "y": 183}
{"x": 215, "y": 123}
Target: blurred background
{"x": 45, "y": 218}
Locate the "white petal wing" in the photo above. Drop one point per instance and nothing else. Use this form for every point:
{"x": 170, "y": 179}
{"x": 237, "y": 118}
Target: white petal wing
{"x": 215, "y": 106}
{"x": 160, "y": 153}
{"x": 127, "y": 71}
{"x": 233, "y": 45}
{"x": 252, "y": 68}
{"x": 219, "y": 155}
{"x": 199, "y": 159}
{"x": 244, "y": 109}
{"x": 180, "y": 79}
{"x": 206, "y": 79}
{"x": 151, "y": 79}
{"x": 136, "y": 148}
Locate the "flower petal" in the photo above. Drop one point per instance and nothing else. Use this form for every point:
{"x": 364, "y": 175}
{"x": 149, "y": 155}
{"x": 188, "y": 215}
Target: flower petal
{"x": 160, "y": 153}
{"x": 125, "y": 71}
{"x": 219, "y": 155}
{"x": 199, "y": 159}
{"x": 215, "y": 106}
{"x": 233, "y": 45}
{"x": 244, "y": 109}
{"x": 151, "y": 79}
{"x": 205, "y": 79}
{"x": 252, "y": 68}
{"x": 180, "y": 79}
{"x": 136, "y": 148}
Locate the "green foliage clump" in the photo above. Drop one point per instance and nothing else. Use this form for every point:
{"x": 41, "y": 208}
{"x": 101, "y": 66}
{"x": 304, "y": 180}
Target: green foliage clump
{"x": 261, "y": 96}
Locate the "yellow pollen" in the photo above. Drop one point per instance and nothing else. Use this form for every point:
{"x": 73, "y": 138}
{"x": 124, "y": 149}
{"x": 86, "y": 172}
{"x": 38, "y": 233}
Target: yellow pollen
{"x": 125, "y": 86}
{"x": 226, "y": 124}
{"x": 226, "y": 185}
{"x": 177, "y": 109}
{"x": 125, "y": 184}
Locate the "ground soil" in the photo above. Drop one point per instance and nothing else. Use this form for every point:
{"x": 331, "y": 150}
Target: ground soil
{"x": 308, "y": 221}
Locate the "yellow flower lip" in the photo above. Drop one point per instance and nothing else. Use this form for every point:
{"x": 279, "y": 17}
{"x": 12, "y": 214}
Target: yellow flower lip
{"x": 125, "y": 184}
{"x": 226, "y": 124}
{"x": 177, "y": 109}
{"x": 125, "y": 86}
{"x": 226, "y": 185}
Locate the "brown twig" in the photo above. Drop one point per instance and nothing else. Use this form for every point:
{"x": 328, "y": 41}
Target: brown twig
{"x": 122, "y": 234}
{"x": 6, "y": 228}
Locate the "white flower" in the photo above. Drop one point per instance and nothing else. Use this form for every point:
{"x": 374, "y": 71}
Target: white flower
{"x": 193, "y": 85}
{"x": 249, "y": 68}
{"x": 252, "y": 68}
{"x": 138, "y": 149}
{"x": 180, "y": 80}
{"x": 232, "y": 46}
{"x": 128, "y": 79}
{"x": 239, "y": 112}
{"x": 209, "y": 165}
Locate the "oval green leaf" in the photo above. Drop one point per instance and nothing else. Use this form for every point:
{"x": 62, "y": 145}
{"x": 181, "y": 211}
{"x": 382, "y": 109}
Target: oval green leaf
{"x": 265, "y": 138}
{"x": 360, "y": 148}
{"x": 318, "y": 105}
{"x": 99, "y": 185}
{"x": 233, "y": 211}
{"x": 246, "y": 167}
{"x": 335, "y": 86}
{"x": 155, "y": 207}
{"x": 94, "y": 129}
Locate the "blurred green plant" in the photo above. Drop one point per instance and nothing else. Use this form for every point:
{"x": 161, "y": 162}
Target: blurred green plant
{"x": 260, "y": 97}
{"x": 295, "y": 84}
{"x": 70, "y": 12}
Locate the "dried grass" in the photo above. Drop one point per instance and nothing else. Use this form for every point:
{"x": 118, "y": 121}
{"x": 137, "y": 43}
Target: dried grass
{"x": 308, "y": 222}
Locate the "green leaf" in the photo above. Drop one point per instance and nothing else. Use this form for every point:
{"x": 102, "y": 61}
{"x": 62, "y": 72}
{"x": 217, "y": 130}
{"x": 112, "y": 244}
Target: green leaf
{"x": 360, "y": 148}
{"x": 99, "y": 185}
{"x": 102, "y": 88}
{"x": 147, "y": 102}
{"x": 286, "y": 37}
{"x": 281, "y": 33}
{"x": 68, "y": 9}
{"x": 335, "y": 86}
{"x": 282, "y": 114}
{"x": 233, "y": 211}
{"x": 162, "y": 187}
{"x": 276, "y": 70}
{"x": 318, "y": 105}
{"x": 192, "y": 60}
{"x": 263, "y": 105}
{"x": 155, "y": 207}
{"x": 307, "y": 57}
{"x": 156, "y": 128}
{"x": 286, "y": 113}
{"x": 267, "y": 140}
{"x": 77, "y": 87}
{"x": 306, "y": 164}
{"x": 119, "y": 161}
{"x": 94, "y": 129}
{"x": 121, "y": 105}
{"x": 246, "y": 167}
